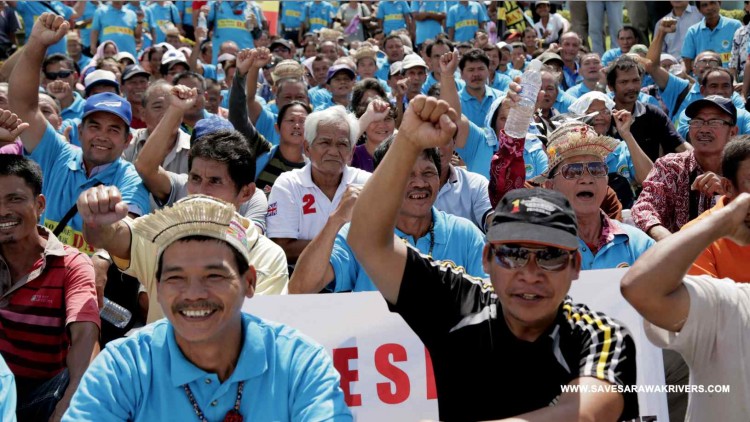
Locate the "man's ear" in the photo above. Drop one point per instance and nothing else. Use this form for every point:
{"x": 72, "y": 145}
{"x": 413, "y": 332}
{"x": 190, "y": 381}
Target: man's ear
{"x": 485, "y": 258}
{"x": 548, "y": 184}
{"x": 246, "y": 192}
{"x": 728, "y": 187}
{"x": 251, "y": 278}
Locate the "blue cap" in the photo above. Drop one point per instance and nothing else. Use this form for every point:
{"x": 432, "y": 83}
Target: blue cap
{"x": 108, "y": 102}
{"x": 724, "y": 104}
{"x": 210, "y": 125}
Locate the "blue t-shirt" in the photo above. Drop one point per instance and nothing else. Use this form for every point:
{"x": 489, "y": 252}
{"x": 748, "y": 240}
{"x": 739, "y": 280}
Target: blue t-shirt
{"x": 393, "y": 14}
{"x": 510, "y": 72}
{"x": 430, "y": 81}
{"x": 75, "y": 110}
{"x": 621, "y": 252}
{"x": 7, "y": 393}
{"x": 265, "y": 125}
{"x": 611, "y": 55}
{"x": 465, "y": 20}
{"x": 318, "y": 15}
{"x": 534, "y": 157}
{"x": 186, "y": 9}
{"x": 230, "y": 26}
{"x": 563, "y": 101}
{"x": 148, "y": 23}
{"x": 577, "y": 91}
{"x": 287, "y": 376}
{"x": 501, "y": 82}
{"x": 117, "y": 26}
{"x": 699, "y": 38}
{"x": 620, "y": 162}
{"x": 291, "y": 14}
{"x": 384, "y": 70}
{"x": 65, "y": 178}
{"x": 473, "y": 109}
{"x": 479, "y": 148}
{"x": 428, "y": 28}
{"x": 319, "y": 96}
{"x": 31, "y": 10}
{"x": 457, "y": 240}
{"x": 163, "y": 15}
{"x": 88, "y": 13}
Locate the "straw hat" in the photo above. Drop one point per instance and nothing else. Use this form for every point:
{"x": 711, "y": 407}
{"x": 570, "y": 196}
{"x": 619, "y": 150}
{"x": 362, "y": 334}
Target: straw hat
{"x": 574, "y": 138}
{"x": 366, "y": 50}
{"x": 288, "y": 69}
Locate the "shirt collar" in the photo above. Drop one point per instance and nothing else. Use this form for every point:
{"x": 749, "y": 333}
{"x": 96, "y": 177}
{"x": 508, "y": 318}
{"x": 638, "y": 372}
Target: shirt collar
{"x": 53, "y": 247}
{"x": 439, "y": 228}
{"x": 639, "y": 109}
{"x": 76, "y": 164}
{"x": 610, "y": 229}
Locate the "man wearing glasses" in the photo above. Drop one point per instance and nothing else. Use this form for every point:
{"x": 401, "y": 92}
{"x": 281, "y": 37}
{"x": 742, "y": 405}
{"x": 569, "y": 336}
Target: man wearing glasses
{"x": 59, "y": 79}
{"x": 516, "y": 329}
{"x": 682, "y": 186}
{"x": 577, "y": 169}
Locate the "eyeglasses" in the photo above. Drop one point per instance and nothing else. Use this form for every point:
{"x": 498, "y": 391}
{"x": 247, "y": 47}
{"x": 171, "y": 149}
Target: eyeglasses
{"x": 710, "y": 62}
{"x": 516, "y": 257}
{"x": 713, "y": 123}
{"x": 58, "y": 75}
{"x": 575, "y": 170}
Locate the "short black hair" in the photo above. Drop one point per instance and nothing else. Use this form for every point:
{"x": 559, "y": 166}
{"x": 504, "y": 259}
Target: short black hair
{"x": 190, "y": 74}
{"x": 636, "y": 33}
{"x": 712, "y": 69}
{"x": 391, "y": 37}
{"x": 434, "y": 90}
{"x": 242, "y": 265}
{"x": 367, "y": 84}
{"x": 735, "y": 152}
{"x": 286, "y": 107}
{"x": 59, "y": 58}
{"x": 431, "y": 154}
{"x": 228, "y": 147}
{"x": 25, "y": 168}
{"x": 440, "y": 41}
{"x": 622, "y": 64}
{"x": 474, "y": 55}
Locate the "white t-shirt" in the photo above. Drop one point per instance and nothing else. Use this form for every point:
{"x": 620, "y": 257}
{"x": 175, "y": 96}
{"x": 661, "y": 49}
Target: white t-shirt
{"x": 555, "y": 25}
{"x": 298, "y": 209}
{"x": 466, "y": 195}
{"x": 715, "y": 343}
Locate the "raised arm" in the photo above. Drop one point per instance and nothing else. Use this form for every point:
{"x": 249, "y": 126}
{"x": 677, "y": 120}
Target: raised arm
{"x": 427, "y": 123}
{"x": 238, "y": 106}
{"x": 449, "y": 94}
{"x": 259, "y": 58}
{"x": 23, "y": 89}
{"x": 656, "y": 290}
{"x": 641, "y": 162}
{"x": 159, "y": 143}
{"x": 376, "y": 111}
{"x": 653, "y": 66}
{"x": 200, "y": 35}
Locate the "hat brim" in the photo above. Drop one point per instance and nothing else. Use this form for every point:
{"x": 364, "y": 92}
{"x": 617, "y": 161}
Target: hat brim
{"x": 134, "y": 74}
{"x": 102, "y": 82}
{"x": 120, "y": 115}
{"x": 347, "y": 71}
{"x": 692, "y": 110}
{"x": 521, "y": 232}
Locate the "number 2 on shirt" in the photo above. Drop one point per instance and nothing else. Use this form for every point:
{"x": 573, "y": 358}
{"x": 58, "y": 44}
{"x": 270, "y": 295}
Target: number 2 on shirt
{"x": 309, "y": 204}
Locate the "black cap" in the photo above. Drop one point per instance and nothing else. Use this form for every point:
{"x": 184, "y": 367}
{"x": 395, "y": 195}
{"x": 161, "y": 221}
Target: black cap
{"x": 540, "y": 216}
{"x": 724, "y": 104}
{"x": 549, "y": 56}
{"x": 281, "y": 42}
{"x": 134, "y": 70}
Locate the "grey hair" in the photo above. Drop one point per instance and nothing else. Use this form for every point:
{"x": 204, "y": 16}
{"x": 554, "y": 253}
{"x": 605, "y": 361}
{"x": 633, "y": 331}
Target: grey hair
{"x": 158, "y": 85}
{"x": 329, "y": 116}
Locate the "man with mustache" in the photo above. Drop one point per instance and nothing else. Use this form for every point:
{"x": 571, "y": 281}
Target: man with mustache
{"x": 476, "y": 96}
{"x": 682, "y": 186}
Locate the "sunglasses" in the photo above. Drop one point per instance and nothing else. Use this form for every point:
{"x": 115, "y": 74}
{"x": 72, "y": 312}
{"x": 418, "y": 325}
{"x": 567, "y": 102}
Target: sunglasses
{"x": 516, "y": 257}
{"x": 575, "y": 170}
{"x": 58, "y": 75}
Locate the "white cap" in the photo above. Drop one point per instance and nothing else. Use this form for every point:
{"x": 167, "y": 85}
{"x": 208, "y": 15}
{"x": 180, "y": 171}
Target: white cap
{"x": 505, "y": 45}
{"x": 412, "y": 60}
{"x": 173, "y": 56}
{"x": 226, "y": 57}
{"x": 101, "y": 75}
{"x": 125, "y": 55}
{"x": 665, "y": 56}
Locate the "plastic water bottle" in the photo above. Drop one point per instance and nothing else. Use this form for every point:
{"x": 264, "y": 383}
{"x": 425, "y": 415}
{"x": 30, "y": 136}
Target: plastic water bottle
{"x": 220, "y": 75}
{"x": 202, "y": 23}
{"x": 520, "y": 115}
{"x": 115, "y": 314}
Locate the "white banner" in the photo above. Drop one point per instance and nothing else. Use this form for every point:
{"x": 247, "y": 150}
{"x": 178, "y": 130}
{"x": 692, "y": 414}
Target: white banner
{"x": 385, "y": 370}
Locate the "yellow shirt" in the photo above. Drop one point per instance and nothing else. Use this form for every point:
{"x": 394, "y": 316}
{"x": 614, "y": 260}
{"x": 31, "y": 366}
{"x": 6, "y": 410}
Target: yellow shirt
{"x": 266, "y": 257}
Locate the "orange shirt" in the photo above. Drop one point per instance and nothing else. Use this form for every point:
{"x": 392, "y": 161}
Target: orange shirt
{"x": 723, "y": 258}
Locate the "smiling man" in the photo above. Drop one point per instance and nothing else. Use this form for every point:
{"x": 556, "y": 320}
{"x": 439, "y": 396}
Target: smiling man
{"x": 518, "y": 325}
{"x": 200, "y": 360}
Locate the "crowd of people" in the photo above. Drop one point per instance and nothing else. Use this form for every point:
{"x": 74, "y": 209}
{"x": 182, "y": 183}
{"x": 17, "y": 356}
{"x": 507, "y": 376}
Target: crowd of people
{"x": 178, "y": 158}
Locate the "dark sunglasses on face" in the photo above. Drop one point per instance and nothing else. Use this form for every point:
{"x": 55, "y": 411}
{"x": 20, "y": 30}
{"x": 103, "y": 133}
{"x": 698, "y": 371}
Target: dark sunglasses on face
{"x": 58, "y": 75}
{"x": 516, "y": 257}
{"x": 575, "y": 170}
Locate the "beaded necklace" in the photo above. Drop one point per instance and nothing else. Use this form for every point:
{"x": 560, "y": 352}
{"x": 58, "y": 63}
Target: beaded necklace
{"x": 233, "y": 415}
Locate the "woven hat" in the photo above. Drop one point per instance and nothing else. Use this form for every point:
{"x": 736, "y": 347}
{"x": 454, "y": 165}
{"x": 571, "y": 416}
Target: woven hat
{"x": 574, "y": 138}
{"x": 194, "y": 215}
{"x": 328, "y": 34}
{"x": 288, "y": 69}
{"x": 366, "y": 50}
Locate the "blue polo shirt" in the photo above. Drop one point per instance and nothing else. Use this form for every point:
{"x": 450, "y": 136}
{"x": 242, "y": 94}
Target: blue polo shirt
{"x": 7, "y": 393}
{"x": 534, "y": 157}
{"x": 163, "y": 15}
{"x": 291, "y": 14}
{"x": 65, "y": 178}
{"x": 571, "y": 76}
{"x": 510, "y": 72}
{"x": 148, "y": 22}
{"x": 501, "y": 82}
{"x": 563, "y": 101}
{"x": 473, "y": 109}
{"x": 430, "y": 81}
{"x": 479, "y": 148}
{"x": 621, "y": 162}
{"x": 230, "y": 26}
{"x": 428, "y": 28}
{"x": 457, "y": 240}
{"x": 287, "y": 377}
{"x": 743, "y": 123}
{"x": 265, "y": 125}
{"x": 318, "y": 15}
{"x": 75, "y": 109}
{"x": 186, "y": 9}
{"x": 85, "y": 32}
{"x": 578, "y": 90}
{"x": 465, "y": 20}
{"x": 674, "y": 88}
{"x": 318, "y": 96}
{"x": 393, "y": 14}
{"x": 31, "y": 10}
{"x": 611, "y": 55}
{"x": 117, "y": 26}
{"x": 620, "y": 252}
{"x": 700, "y": 38}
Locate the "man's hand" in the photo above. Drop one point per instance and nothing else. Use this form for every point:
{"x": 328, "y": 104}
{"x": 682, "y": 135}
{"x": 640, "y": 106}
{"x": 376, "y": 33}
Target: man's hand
{"x": 101, "y": 205}
{"x": 60, "y": 90}
{"x": 428, "y": 123}
{"x": 402, "y": 87}
{"x": 737, "y": 219}
{"x": 182, "y": 97}
{"x": 10, "y": 126}
{"x": 263, "y": 56}
{"x": 200, "y": 34}
{"x": 668, "y": 25}
{"x": 449, "y": 63}
{"x": 48, "y": 29}
{"x": 101, "y": 267}
{"x": 345, "y": 207}
{"x": 60, "y": 409}
{"x": 245, "y": 60}
{"x": 623, "y": 121}
{"x": 708, "y": 183}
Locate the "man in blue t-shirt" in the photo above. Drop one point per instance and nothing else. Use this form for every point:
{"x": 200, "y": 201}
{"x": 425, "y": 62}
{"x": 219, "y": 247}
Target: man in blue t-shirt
{"x": 714, "y": 32}
{"x": 165, "y": 14}
{"x": 227, "y": 18}
{"x": 31, "y": 10}
{"x": 464, "y": 19}
{"x": 291, "y": 20}
{"x": 394, "y": 15}
{"x": 317, "y": 15}
{"x": 429, "y": 17}
{"x": 117, "y": 24}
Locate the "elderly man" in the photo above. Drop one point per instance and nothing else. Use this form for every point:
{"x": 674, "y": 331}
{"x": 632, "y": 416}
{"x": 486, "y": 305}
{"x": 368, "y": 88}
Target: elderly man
{"x": 48, "y": 292}
{"x": 134, "y": 86}
{"x": 591, "y": 76}
{"x": 220, "y": 165}
{"x": 578, "y": 170}
{"x": 329, "y": 261}
{"x": 682, "y": 186}
{"x": 570, "y": 45}
{"x": 200, "y": 360}
{"x": 520, "y": 317}
{"x": 703, "y": 318}
{"x": 302, "y": 200}
{"x": 714, "y": 32}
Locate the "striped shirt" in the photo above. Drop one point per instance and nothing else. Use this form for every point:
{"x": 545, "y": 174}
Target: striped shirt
{"x": 269, "y": 166}
{"x": 36, "y": 310}
{"x": 460, "y": 320}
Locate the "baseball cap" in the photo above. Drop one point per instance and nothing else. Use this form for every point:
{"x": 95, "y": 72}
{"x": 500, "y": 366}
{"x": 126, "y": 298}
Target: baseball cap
{"x": 412, "y": 60}
{"x": 333, "y": 70}
{"x": 125, "y": 55}
{"x": 226, "y": 57}
{"x": 100, "y": 77}
{"x": 724, "y": 104}
{"x": 210, "y": 125}
{"x": 550, "y": 57}
{"x": 281, "y": 42}
{"x": 134, "y": 70}
{"x": 108, "y": 102}
{"x": 671, "y": 58}
{"x": 172, "y": 57}
{"x": 541, "y": 216}
{"x": 504, "y": 45}
{"x": 395, "y": 68}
